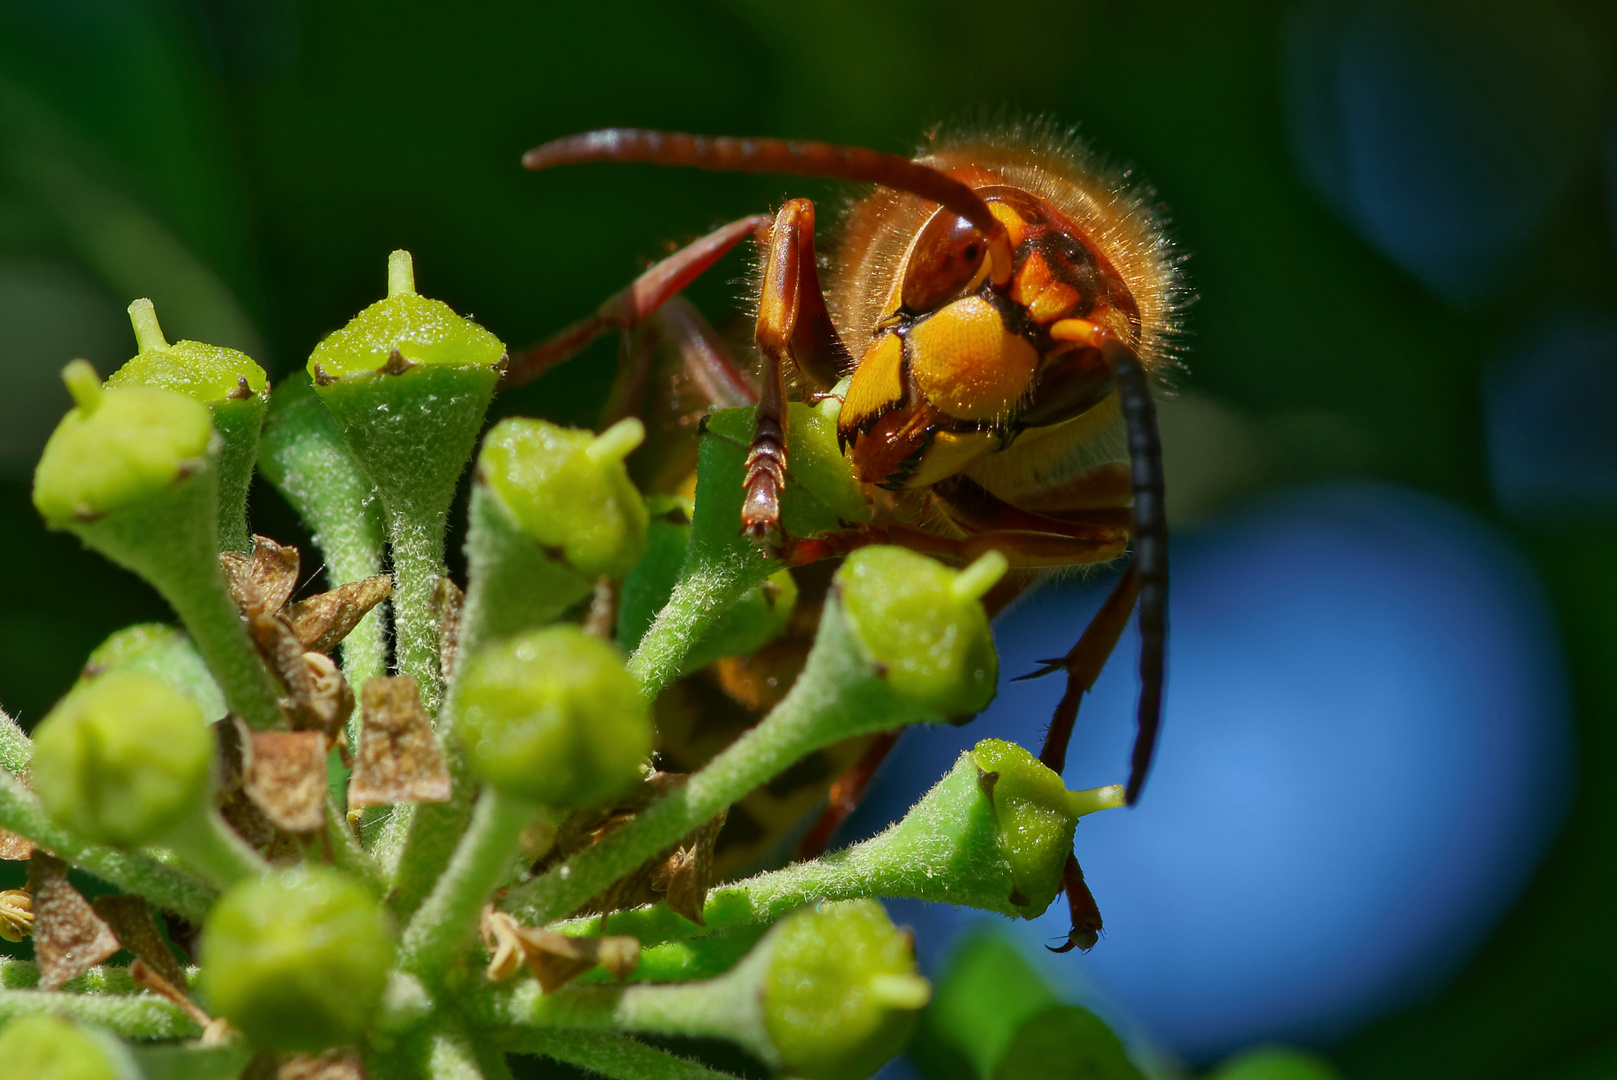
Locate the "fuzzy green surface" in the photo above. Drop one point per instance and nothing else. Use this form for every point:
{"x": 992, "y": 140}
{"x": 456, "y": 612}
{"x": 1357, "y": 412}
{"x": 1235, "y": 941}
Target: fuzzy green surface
{"x": 819, "y": 1007}
{"x": 760, "y": 615}
{"x": 552, "y": 716}
{"x": 304, "y": 454}
{"x": 587, "y": 512}
{"x": 136, "y": 443}
{"x": 297, "y": 959}
{"x": 423, "y": 330}
{"x": 205, "y": 373}
{"x": 935, "y": 645}
{"x": 123, "y": 758}
{"x": 54, "y": 1048}
{"x": 1035, "y": 815}
{"x": 164, "y": 652}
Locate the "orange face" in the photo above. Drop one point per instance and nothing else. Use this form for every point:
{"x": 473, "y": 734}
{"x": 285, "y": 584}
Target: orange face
{"x": 957, "y": 378}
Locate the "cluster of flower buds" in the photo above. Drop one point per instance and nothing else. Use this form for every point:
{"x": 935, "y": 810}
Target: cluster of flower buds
{"x": 496, "y": 748}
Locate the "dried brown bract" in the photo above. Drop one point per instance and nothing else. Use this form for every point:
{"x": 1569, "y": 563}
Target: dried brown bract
{"x": 144, "y": 975}
{"x": 555, "y": 959}
{"x": 261, "y": 583}
{"x": 131, "y": 921}
{"x": 399, "y": 756}
{"x": 69, "y": 937}
{"x": 285, "y": 777}
{"x": 321, "y": 622}
{"x": 340, "y": 1063}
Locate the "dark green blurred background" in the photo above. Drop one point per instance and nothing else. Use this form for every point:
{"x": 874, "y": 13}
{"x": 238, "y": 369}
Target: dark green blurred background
{"x": 249, "y": 163}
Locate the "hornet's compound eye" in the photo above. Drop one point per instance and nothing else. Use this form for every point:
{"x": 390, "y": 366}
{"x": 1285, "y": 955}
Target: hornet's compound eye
{"x": 947, "y": 257}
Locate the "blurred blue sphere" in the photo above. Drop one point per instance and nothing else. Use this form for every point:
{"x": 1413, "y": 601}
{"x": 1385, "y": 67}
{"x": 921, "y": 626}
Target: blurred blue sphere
{"x": 1365, "y": 753}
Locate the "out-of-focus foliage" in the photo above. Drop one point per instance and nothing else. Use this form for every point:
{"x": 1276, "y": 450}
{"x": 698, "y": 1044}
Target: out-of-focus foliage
{"x": 244, "y": 162}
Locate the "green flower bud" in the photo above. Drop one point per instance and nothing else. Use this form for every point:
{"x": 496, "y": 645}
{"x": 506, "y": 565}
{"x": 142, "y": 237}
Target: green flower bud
{"x": 422, "y": 331}
{"x": 924, "y": 624}
{"x": 161, "y": 651}
{"x": 553, "y": 717}
{"x": 841, "y": 992}
{"x": 568, "y": 491}
{"x": 134, "y": 473}
{"x": 297, "y": 959}
{"x": 1037, "y": 816}
{"x": 210, "y": 374}
{"x": 123, "y": 759}
{"x": 45, "y": 1047}
{"x": 408, "y": 382}
{"x": 229, "y": 383}
{"x": 116, "y": 449}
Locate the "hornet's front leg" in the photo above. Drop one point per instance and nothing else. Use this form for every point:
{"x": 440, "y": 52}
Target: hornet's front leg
{"x": 794, "y": 327}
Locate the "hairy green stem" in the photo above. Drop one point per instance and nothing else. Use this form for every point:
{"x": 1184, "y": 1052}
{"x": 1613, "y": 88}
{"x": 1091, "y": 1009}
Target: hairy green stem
{"x": 448, "y": 918}
{"x": 16, "y": 748}
{"x": 610, "y": 1054}
{"x": 306, "y": 457}
{"x": 417, "y": 547}
{"x": 171, "y": 541}
{"x": 947, "y": 849}
{"x": 728, "y": 1007}
{"x": 417, "y": 843}
{"x": 136, "y": 872}
{"x": 347, "y": 854}
{"x": 213, "y": 849}
{"x": 143, "y": 1016}
{"x": 101, "y": 979}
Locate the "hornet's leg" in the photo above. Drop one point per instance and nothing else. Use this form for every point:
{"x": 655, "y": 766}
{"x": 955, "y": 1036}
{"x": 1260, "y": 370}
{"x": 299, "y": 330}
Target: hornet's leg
{"x": 794, "y": 328}
{"x": 1086, "y": 922}
{"x": 1150, "y": 527}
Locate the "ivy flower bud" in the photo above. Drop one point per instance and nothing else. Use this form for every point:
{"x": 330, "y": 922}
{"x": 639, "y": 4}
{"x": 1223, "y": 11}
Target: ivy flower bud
{"x": 134, "y": 473}
{"x": 297, "y": 959}
{"x": 231, "y": 385}
{"x": 568, "y": 491}
{"x": 408, "y": 382}
{"x": 553, "y": 508}
{"x": 164, "y": 652}
{"x": 123, "y": 759}
{"x": 44, "y": 1047}
{"x": 116, "y": 449}
{"x": 553, "y": 717}
{"x": 841, "y": 992}
{"x": 924, "y": 625}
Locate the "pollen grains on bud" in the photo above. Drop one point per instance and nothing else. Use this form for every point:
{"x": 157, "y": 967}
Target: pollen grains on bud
{"x": 44, "y": 1047}
{"x": 553, "y": 717}
{"x": 122, "y": 759}
{"x": 297, "y": 959}
{"x": 841, "y": 992}
{"x": 924, "y": 624}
